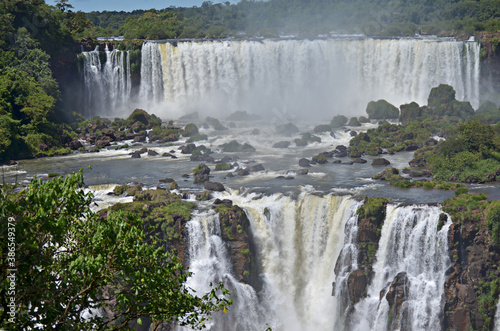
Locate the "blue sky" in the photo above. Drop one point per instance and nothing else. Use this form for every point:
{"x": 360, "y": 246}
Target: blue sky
{"x": 129, "y": 5}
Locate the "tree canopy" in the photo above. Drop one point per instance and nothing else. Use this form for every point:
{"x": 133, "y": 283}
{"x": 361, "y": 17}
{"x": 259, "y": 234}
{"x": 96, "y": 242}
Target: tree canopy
{"x": 78, "y": 271}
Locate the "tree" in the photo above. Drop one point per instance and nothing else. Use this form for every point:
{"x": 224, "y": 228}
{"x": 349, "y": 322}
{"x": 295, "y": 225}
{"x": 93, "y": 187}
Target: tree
{"x": 77, "y": 271}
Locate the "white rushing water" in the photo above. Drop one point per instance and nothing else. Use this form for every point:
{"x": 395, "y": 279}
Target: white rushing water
{"x": 497, "y": 317}
{"x": 107, "y": 85}
{"x": 319, "y": 78}
{"x": 410, "y": 242}
{"x": 299, "y": 241}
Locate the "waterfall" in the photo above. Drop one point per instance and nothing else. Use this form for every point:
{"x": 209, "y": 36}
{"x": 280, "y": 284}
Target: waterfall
{"x": 298, "y": 242}
{"x": 107, "y": 85}
{"x": 410, "y": 242}
{"x": 496, "y": 327}
{"x": 317, "y": 77}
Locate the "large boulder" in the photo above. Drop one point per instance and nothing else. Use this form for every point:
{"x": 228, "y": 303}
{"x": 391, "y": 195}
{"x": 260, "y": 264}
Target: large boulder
{"x": 234, "y": 146}
{"x": 288, "y": 129}
{"x": 214, "y": 186}
{"x": 381, "y": 110}
{"x": 441, "y": 95}
{"x": 282, "y": 144}
{"x": 409, "y": 112}
{"x": 357, "y": 285}
{"x": 380, "y": 162}
{"x": 143, "y": 117}
{"x": 322, "y": 128}
{"x": 338, "y": 121}
{"x": 190, "y": 130}
{"x": 304, "y": 163}
{"x": 201, "y": 173}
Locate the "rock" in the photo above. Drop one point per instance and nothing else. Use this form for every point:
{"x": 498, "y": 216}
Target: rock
{"x": 353, "y": 122}
{"x": 387, "y": 174}
{"x": 338, "y": 121}
{"x": 320, "y": 159}
{"x": 187, "y": 149}
{"x": 380, "y": 162}
{"x": 397, "y": 294}
{"x": 215, "y": 123}
{"x": 353, "y": 133}
{"x": 190, "y": 130}
{"x": 152, "y": 153}
{"x": 202, "y": 158}
{"x": 166, "y": 180}
{"x": 298, "y": 172}
{"x": 142, "y": 150}
{"x": 336, "y": 161}
{"x": 140, "y": 138}
{"x": 381, "y": 109}
{"x": 234, "y": 146}
{"x": 354, "y": 154}
{"x": 304, "y": 163}
{"x": 282, "y": 144}
{"x": 341, "y": 154}
{"x": 136, "y": 155}
{"x": 226, "y": 202}
{"x": 138, "y": 127}
{"x": 288, "y": 129}
{"x": 322, "y": 128}
{"x": 214, "y": 186}
{"x": 357, "y": 285}
{"x": 75, "y": 144}
{"x": 201, "y": 173}
{"x": 102, "y": 141}
{"x": 257, "y": 167}
{"x": 242, "y": 116}
{"x": 361, "y": 161}
{"x": 242, "y": 172}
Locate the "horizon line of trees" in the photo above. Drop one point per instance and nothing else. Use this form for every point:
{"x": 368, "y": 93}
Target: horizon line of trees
{"x": 304, "y": 18}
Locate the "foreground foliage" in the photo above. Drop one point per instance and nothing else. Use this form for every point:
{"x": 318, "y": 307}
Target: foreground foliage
{"x": 71, "y": 264}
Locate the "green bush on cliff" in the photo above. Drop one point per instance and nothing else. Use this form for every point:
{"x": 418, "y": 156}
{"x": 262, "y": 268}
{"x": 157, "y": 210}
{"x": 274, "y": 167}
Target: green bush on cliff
{"x": 374, "y": 209}
{"x": 468, "y": 155}
{"x": 493, "y": 223}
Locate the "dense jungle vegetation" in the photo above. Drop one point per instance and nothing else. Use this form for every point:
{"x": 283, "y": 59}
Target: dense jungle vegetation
{"x": 303, "y": 18}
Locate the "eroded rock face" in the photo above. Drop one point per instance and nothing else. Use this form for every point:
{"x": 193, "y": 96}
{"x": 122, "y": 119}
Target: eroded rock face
{"x": 396, "y": 296}
{"x": 357, "y": 284}
{"x": 236, "y": 233}
{"x": 475, "y": 266}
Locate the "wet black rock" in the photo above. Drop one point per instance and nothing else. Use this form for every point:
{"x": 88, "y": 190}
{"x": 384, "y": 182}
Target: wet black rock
{"x": 282, "y": 144}
{"x": 214, "y": 186}
{"x": 304, "y": 163}
{"x": 257, "y": 167}
{"x": 380, "y": 162}
{"x": 152, "y": 152}
{"x": 187, "y": 149}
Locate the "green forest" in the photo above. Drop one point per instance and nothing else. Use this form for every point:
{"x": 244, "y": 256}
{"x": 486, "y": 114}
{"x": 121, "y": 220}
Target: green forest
{"x": 302, "y": 18}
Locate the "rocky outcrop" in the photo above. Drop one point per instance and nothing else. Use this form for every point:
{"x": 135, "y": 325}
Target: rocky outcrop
{"x": 236, "y": 233}
{"x": 472, "y": 286}
{"x": 396, "y": 295}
